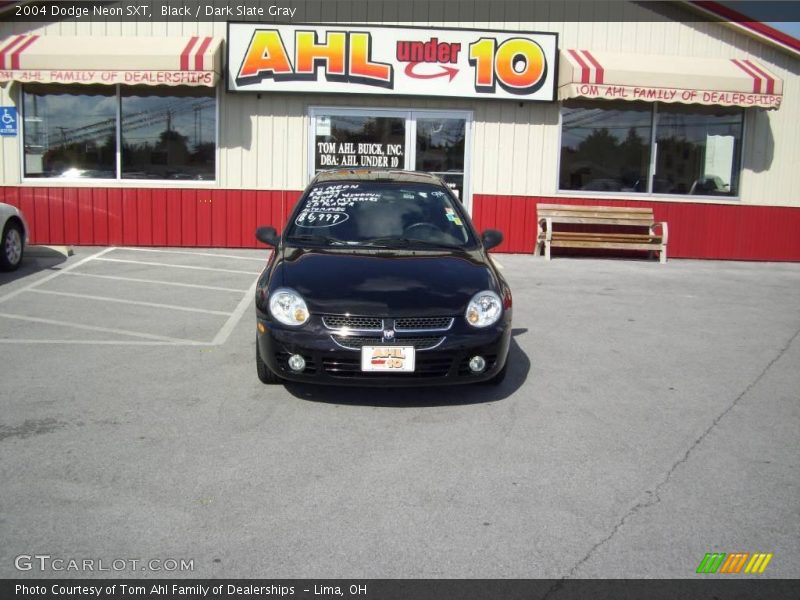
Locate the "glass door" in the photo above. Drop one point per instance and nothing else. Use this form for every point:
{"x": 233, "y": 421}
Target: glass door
{"x": 359, "y": 138}
{"x": 441, "y": 147}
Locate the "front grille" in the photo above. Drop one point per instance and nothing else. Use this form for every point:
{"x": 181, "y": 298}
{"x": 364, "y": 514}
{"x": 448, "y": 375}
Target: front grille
{"x": 350, "y": 322}
{"x": 377, "y": 323}
{"x": 283, "y": 362}
{"x": 355, "y": 342}
{"x": 433, "y": 366}
{"x": 423, "y": 323}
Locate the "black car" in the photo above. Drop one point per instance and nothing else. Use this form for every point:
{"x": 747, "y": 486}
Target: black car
{"x": 380, "y": 278}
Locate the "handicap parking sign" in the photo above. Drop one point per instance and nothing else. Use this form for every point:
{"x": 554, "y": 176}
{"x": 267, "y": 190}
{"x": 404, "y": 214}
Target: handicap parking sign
{"x": 8, "y": 120}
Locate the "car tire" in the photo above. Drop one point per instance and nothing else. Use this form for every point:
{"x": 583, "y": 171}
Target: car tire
{"x": 12, "y": 248}
{"x": 500, "y": 376}
{"x": 265, "y": 374}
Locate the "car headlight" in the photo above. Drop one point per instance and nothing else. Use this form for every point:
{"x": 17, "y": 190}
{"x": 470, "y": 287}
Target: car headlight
{"x": 288, "y": 307}
{"x": 484, "y": 309}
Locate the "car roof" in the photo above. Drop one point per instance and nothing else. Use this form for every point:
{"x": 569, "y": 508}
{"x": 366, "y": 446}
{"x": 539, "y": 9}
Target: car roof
{"x": 383, "y": 175}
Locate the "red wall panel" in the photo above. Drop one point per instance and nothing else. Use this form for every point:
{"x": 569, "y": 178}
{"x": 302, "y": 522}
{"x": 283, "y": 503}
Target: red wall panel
{"x": 249, "y": 218}
{"x": 99, "y": 216}
{"x": 114, "y": 203}
{"x": 219, "y": 217}
{"x": 174, "y": 219}
{"x": 130, "y": 217}
{"x": 71, "y": 227}
{"x": 228, "y": 218}
{"x": 188, "y": 218}
{"x": 85, "y": 216}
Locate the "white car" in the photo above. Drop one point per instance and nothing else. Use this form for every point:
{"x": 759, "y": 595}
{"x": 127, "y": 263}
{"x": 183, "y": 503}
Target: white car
{"x": 15, "y": 236}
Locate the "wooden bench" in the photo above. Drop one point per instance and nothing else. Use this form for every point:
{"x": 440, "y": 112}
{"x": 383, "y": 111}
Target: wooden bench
{"x": 643, "y": 236}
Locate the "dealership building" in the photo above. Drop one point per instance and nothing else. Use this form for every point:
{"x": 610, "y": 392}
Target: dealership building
{"x": 192, "y": 133}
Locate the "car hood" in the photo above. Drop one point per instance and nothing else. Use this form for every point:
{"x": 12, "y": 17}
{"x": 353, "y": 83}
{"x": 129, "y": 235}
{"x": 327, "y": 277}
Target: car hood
{"x": 384, "y": 282}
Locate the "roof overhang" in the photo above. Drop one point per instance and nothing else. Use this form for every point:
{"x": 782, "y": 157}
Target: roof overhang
{"x": 673, "y": 79}
{"x": 193, "y": 61}
{"x": 744, "y": 24}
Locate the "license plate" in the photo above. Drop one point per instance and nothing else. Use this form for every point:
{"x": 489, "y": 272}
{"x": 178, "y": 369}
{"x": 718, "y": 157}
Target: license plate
{"x": 393, "y": 359}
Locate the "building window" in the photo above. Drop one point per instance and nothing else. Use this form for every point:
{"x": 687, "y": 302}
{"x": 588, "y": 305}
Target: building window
{"x": 699, "y": 150}
{"x": 608, "y": 147}
{"x": 166, "y": 133}
{"x": 70, "y": 132}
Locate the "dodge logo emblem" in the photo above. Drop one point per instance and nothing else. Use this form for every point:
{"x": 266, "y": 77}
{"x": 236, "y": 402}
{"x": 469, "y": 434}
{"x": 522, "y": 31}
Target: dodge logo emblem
{"x": 388, "y": 334}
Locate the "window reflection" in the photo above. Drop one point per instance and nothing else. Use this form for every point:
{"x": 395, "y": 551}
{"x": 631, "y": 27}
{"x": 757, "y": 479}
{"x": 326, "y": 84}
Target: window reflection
{"x": 605, "y": 146}
{"x": 356, "y": 141}
{"x": 699, "y": 149}
{"x": 70, "y": 132}
{"x": 440, "y": 150}
{"x": 440, "y": 145}
{"x": 168, "y": 134}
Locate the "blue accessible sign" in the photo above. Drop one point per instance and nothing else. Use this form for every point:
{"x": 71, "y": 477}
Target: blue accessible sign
{"x": 8, "y": 120}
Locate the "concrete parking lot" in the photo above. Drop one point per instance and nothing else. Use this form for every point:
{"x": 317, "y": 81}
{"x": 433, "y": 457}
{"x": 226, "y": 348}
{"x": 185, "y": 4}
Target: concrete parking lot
{"x": 650, "y": 415}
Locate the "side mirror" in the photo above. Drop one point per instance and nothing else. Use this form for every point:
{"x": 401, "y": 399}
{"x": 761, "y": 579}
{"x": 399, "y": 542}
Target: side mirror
{"x": 268, "y": 236}
{"x": 491, "y": 238}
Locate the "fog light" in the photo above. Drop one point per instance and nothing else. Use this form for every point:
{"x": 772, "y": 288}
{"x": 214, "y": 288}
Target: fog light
{"x": 297, "y": 362}
{"x": 477, "y": 364}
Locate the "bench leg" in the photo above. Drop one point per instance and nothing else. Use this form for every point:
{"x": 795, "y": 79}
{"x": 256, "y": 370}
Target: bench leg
{"x": 547, "y": 250}
{"x": 538, "y": 249}
{"x": 662, "y": 256}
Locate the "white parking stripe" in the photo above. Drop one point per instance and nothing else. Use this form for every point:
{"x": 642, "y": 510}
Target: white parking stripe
{"x": 99, "y": 342}
{"x": 225, "y": 331}
{"x": 175, "y": 283}
{"x": 52, "y": 276}
{"x": 147, "y": 336}
{"x": 259, "y": 259}
{"x": 173, "y": 266}
{"x": 135, "y": 302}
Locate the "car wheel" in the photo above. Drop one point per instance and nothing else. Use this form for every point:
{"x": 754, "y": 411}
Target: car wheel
{"x": 265, "y": 374}
{"x": 12, "y": 249}
{"x": 500, "y": 376}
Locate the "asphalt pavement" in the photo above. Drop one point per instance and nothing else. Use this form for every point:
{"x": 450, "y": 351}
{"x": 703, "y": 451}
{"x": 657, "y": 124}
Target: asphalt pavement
{"x": 650, "y": 416}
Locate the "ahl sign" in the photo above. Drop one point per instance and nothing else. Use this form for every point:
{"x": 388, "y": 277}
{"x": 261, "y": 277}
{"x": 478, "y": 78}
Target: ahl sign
{"x": 348, "y": 59}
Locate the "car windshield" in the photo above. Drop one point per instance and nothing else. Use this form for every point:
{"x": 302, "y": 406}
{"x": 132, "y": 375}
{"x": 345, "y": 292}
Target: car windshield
{"x": 382, "y": 214}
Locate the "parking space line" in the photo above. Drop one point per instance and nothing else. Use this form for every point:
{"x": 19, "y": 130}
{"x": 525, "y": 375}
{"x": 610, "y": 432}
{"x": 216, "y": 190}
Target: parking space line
{"x": 259, "y": 259}
{"x": 174, "y": 283}
{"x": 236, "y": 315}
{"x": 52, "y": 276}
{"x": 173, "y": 266}
{"x": 135, "y": 302}
{"x": 147, "y": 336}
{"x": 98, "y": 342}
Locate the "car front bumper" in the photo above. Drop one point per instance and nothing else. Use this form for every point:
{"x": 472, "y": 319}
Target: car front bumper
{"x": 328, "y": 363}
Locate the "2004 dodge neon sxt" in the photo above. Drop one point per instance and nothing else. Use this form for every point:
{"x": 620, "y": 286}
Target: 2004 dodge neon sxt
{"x": 380, "y": 278}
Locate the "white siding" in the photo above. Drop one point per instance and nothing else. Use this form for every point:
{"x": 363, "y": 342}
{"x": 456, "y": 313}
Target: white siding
{"x": 263, "y": 140}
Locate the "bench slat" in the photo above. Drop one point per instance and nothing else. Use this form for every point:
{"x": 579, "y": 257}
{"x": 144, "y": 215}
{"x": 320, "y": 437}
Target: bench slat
{"x": 608, "y": 220}
{"x": 577, "y": 235}
{"x": 603, "y": 209}
{"x": 606, "y": 245}
{"x": 557, "y": 214}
